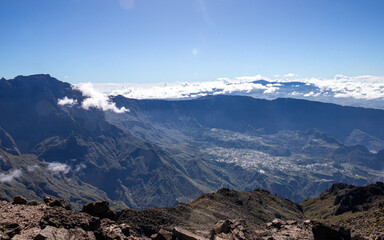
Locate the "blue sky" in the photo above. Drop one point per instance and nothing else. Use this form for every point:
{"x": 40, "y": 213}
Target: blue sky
{"x": 147, "y": 41}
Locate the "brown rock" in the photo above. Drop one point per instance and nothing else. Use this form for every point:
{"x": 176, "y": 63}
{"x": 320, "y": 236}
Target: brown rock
{"x": 53, "y": 202}
{"x": 182, "y": 234}
{"x": 99, "y": 209}
{"x": 277, "y": 223}
{"x": 307, "y": 222}
{"x": 291, "y": 222}
{"x": 230, "y": 229}
{"x": 110, "y": 230}
{"x": 3, "y": 236}
{"x": 62, "y": 218}
{"x": 11, "y": 229}
{"x": 162, "y": 235}
{"x": 222, "y": 226}
{"x": 52, "y": 233}
{"x": 323, "y": 231}
{"x": 20, "y": 200}
{"x": 33, "y": 203}
{"x": 127, "y": 230}
{"x": 48, "y": 199}
{"x": 60, "y": 203}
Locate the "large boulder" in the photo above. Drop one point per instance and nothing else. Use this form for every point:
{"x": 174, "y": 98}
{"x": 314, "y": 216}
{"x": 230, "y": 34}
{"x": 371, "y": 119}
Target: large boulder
{"x": 10, "y": 230}
{"x": 162, "y": 235}
{"x": 20, "y": 200}
{"x": 230, "y": 229}
{"x": 322, "y": 231}
{"x": 53, "y": 202}
{"x": 53, "y": 233}
{"x": 99, "y": 209}
{"x": 111, "y": 230}
{"x": 62, "y": 218}
{"x": 182, "y": 234}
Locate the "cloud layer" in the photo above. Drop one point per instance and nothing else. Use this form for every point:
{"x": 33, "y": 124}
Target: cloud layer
{"x": 366, "y": 91}
{"x": 7, "y": 177}
{"x": 97, "y": 99}
{"x": 66, "y": 101}
{"x": 92, "y": 99}
{"x": 56, "y": 168}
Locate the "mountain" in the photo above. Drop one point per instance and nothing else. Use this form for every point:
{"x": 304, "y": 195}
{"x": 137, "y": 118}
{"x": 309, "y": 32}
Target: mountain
{"x": 358, "y": 137}
{"x": 239, "y": 113}
{"x": 359, "y": 208}
{"x": 27, "y": 175}
{"x": 98, "y": 153}
{"x": 294, "y": 148}
{"x": 225, "y": 214}
{"x": 161, "y": 153}
{"x": 256, "y": 207}
{"x": 238, "y": 213}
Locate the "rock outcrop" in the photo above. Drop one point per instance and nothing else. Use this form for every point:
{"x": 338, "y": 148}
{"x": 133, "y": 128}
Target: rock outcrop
{"x": 20, "y": 200}
{"x": 99, "y": 209}
{"x": 55, "y": 220}
{"x": 230, "y": 229}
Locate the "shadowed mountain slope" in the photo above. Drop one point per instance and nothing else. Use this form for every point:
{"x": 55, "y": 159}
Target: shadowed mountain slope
{"x": 113, "y": 161}
{"x": 162, "y": 153}
{"x": 239, "y": 113}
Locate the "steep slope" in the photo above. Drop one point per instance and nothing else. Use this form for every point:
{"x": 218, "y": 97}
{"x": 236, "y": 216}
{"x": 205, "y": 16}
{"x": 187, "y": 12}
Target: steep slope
{"x": 277, "y": 142}
{"x": 358, "y": 137}
{"x": 7, "y": 143}
{"x": 26, "y": 175}
{"x": 255, "y": 207}
{"x": 359, "y": 208}
{"x": 116, "y": 162}
{"x": 165, "y": 152}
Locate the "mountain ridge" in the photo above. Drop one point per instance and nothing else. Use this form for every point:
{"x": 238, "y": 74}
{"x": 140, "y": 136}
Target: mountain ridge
{"x": 224, "y": 214}
{"x": 161, "y": 153}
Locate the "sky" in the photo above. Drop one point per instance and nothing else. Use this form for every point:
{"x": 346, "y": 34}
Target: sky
{"x": 154, "y": 41}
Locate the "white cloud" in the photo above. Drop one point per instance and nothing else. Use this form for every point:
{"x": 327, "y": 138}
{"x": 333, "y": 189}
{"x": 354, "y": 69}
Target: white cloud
{"x": 184, "y": 90}
{"x": 365, "y": 91}
{"x": 79, "y": 167}
{"x": 56, "y": 168}
{"x": 7, "y": 177}
{"x": 97, "y": 99}
{"x": 67, "y": 101}
{"x": 195, "y": 51}
{"x": 290, "y": 75}
{"x": 358, "y": 87}
{"x": 32, "y": 168}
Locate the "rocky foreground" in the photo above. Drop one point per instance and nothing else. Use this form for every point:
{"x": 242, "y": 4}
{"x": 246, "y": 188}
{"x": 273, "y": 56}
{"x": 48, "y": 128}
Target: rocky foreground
{"x": 55, "y": 220}
{"x": 340, "y": 213}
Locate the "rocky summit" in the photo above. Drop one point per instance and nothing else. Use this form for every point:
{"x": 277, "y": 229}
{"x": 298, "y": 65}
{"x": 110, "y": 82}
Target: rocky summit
{"x": 224, "y": 215}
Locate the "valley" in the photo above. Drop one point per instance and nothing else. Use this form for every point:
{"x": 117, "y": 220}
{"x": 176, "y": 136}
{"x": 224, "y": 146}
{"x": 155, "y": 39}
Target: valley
{"x": 161, "y": 153}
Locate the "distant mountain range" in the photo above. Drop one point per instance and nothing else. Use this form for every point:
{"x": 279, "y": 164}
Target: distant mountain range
{"x": 160, "y": 152}
{"x": 360, "y": 91}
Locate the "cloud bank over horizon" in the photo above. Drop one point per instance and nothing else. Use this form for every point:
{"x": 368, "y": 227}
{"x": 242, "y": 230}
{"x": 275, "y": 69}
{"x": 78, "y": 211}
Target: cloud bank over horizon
{"x": 363, "y": 91}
